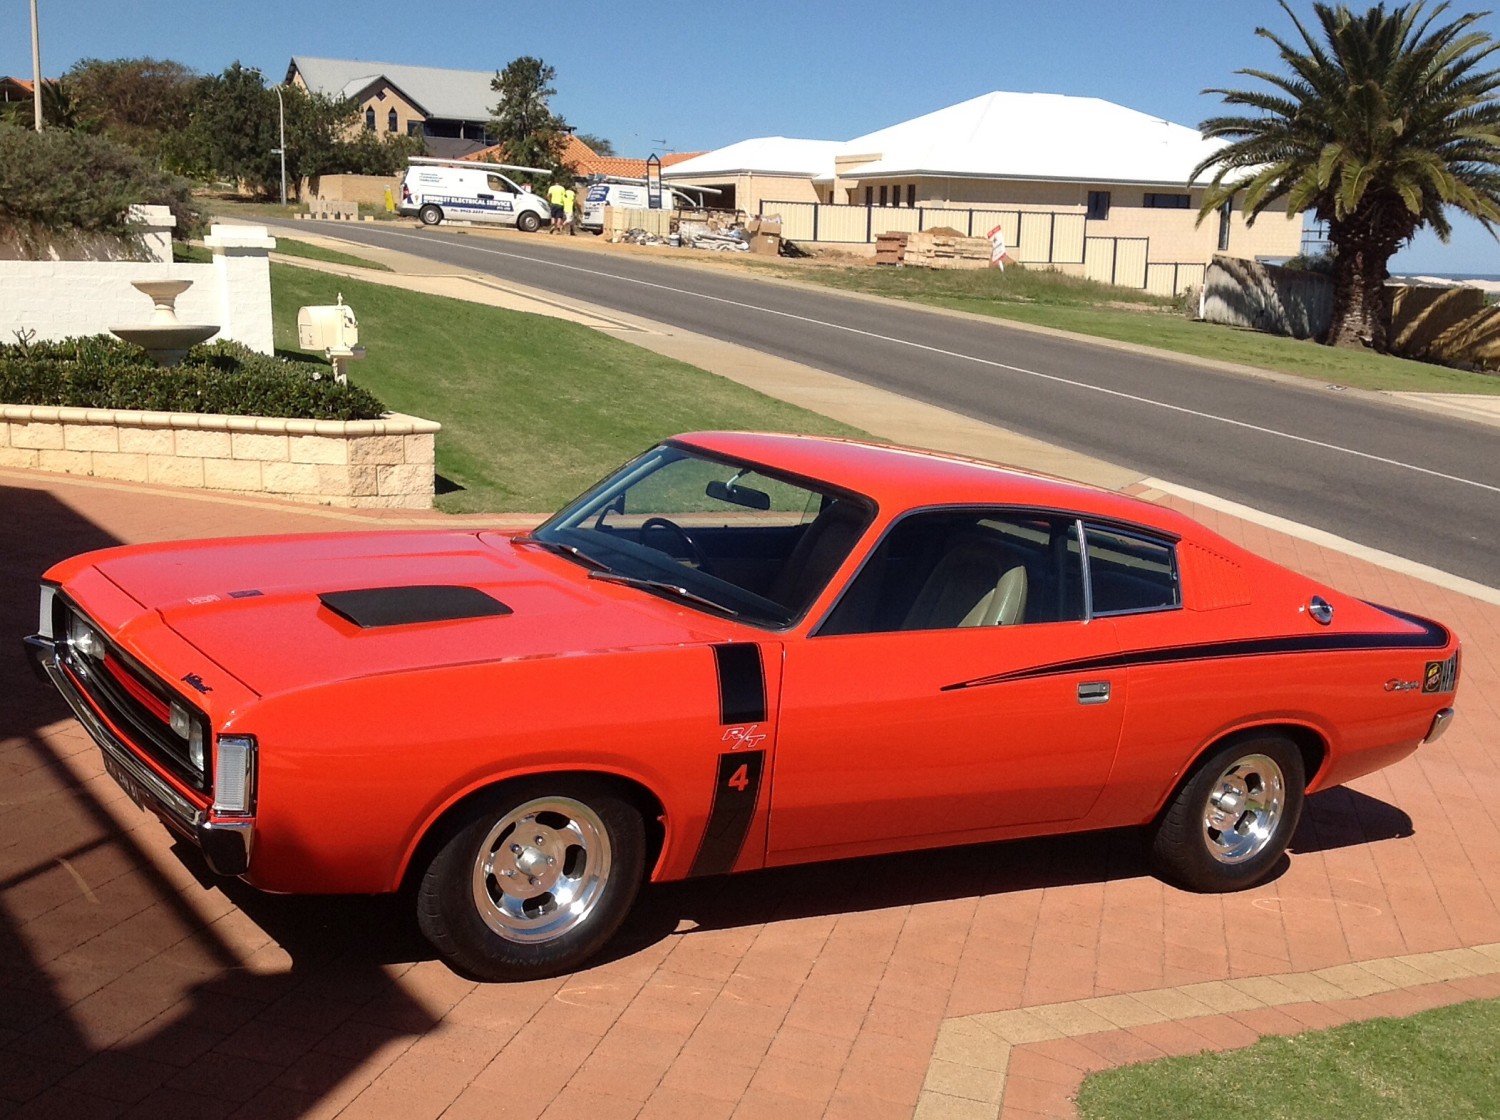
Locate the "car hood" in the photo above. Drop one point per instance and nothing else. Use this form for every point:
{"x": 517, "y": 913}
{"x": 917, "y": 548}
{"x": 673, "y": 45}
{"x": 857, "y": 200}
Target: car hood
{"x": 259, "y": 608}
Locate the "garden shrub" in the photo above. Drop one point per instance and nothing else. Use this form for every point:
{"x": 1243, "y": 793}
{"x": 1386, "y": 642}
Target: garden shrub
{"x": 219, "y": 377}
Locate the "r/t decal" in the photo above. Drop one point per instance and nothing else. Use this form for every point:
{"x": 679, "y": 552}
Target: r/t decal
{"x": 743, "y": 738}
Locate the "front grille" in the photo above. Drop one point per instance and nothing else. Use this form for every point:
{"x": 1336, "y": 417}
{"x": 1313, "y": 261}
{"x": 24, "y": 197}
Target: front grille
{"x": 134, "y": 701}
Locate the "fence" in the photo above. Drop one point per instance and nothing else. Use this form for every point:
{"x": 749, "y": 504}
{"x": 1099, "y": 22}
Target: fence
{"x": 1032, "y": 237}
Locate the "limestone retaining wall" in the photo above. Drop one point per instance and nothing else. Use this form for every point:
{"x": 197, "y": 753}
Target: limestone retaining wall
{"x": 361, "y": 464}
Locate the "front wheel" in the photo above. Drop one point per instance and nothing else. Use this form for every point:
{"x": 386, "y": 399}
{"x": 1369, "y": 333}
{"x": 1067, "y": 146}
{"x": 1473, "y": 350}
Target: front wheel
{"x": 534, "y": 880}
{"x": 529, "y": 222}
{"x": 429, "y": 215}
{"x": 1230, "y": 824}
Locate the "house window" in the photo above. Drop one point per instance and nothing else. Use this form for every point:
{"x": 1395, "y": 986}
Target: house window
{"x": 390, "y": 121}
{"x": 869, "y": 196}
{"x": 1224, "y": 212}
{"x": 911, "y": 194}
{"x": 883, "y": 200}
{"x": 414, "y": 128}
{"x": 370, "y": 119}
{"x": 1098, "y": 209}
{"x": 1167, "y": 201}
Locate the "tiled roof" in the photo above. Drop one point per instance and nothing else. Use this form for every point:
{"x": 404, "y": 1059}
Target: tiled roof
{"x": 461, "y": 95}
{"x": 585, "y": 161}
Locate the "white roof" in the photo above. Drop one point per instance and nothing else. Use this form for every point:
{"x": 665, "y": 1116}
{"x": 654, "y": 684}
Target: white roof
{"x": 1045, "y": 136}
{"x": 463, "y": 95}
{"x": 767, "y": 155}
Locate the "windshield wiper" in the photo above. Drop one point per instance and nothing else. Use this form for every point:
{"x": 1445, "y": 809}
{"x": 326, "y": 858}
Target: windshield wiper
{"x": 662, "y": 585}
{"x": 563, "y": 549}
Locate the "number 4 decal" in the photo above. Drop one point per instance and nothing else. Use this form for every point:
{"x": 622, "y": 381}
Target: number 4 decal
{"x": 740, "y": 779}
{"x": 735, "y": 792}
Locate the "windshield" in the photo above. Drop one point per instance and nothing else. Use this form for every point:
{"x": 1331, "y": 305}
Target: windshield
{"x": 712, "y": 533}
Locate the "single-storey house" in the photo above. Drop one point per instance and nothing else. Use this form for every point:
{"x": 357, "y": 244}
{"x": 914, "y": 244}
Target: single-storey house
{"x": 450, "y": 109}
{"x": 1078, "y": 183}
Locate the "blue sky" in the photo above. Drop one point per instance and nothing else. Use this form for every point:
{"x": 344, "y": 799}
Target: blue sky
{"x": 699, "y": 76}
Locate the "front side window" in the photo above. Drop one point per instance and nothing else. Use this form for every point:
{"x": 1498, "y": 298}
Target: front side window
{"x": 1130, "y": 573}
{"x": 715, "y": 534}
{"x": 951, "y": 569}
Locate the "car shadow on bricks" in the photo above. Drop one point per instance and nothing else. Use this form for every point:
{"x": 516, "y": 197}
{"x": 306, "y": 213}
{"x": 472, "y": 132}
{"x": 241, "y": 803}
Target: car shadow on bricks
{"x": 124, "y": 979}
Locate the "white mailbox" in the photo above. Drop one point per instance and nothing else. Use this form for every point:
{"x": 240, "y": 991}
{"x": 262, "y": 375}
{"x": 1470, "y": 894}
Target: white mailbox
{"x": 335, "y": 331}
{"x": 328, "y": 328}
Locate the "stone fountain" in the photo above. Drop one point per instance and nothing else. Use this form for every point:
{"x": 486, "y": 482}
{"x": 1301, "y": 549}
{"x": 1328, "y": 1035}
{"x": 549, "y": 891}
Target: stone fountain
{"x": 165, "y": 339}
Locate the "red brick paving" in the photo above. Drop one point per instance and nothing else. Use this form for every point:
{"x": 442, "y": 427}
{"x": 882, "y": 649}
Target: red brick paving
{"x": 131, "y": 988}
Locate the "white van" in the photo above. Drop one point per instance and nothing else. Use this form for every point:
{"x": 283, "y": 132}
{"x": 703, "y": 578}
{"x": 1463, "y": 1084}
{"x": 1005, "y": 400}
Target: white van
{"x": 469, "y": 192}
{"x": 631, "y": 196}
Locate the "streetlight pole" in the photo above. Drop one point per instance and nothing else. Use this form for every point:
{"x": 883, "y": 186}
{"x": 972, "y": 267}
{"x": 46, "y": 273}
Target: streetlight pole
{"x": 281, "y": 127}
{"x": 36, "y": 70}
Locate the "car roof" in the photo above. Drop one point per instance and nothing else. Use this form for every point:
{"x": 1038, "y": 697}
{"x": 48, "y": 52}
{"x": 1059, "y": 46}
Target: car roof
{"x": 900, "y": 478}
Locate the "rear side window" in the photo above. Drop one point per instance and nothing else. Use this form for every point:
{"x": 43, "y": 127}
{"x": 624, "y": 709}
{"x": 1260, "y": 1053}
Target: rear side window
{"x": 1130, "y": 573}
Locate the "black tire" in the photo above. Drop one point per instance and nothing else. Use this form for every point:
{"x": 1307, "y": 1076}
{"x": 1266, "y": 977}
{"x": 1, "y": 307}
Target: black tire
{"x": 528, "y": 222}
{"x": 1229, "y": 825}
{"x": 580, "y": 849}
{"x": 429, "y": 215}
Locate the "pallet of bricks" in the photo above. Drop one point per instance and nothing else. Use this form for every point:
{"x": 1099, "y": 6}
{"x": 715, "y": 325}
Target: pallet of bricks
{"x": 945, "y": 248}
{"x": 890, "y": 248}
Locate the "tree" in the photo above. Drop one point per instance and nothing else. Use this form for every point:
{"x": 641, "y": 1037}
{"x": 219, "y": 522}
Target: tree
{"x": 1377, "y": 130}
{"x": 524, "y": 125}
{"x": 233, "y": 132}
{"x": 597, "y": 144}
{"x": 142, "y": 102}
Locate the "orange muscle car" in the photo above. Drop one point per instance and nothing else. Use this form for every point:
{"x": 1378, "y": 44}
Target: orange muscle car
{"x": 737, "y": 651}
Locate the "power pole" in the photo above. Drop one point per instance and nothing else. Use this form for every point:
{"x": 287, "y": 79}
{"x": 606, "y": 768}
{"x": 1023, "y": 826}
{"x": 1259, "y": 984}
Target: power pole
{"x": 36, "y": 70}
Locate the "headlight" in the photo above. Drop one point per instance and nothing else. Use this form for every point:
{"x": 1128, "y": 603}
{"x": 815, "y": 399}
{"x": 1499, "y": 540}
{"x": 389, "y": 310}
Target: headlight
{"x": 84, "y": 639}
{"x": 184, "y": 726}
{"x": 234, "y": 774}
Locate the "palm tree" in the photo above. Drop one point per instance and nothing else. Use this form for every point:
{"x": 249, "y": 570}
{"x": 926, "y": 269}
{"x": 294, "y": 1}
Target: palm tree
{"x": 1377, "y": 130}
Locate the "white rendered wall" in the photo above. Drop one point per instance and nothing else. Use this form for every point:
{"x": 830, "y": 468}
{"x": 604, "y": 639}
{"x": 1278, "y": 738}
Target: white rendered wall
{"x": 63, "y": 299}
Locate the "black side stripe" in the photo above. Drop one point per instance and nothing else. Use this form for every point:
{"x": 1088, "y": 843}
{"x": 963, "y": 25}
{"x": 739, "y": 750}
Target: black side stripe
{"x": 736, "y": 789}
{"x": 742, "y": 683}
{"x": 1433, "y": 637}
{"x": 742, "y": 701}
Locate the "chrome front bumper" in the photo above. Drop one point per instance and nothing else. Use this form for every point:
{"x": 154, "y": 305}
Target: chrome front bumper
{"x": 226, "y": 846}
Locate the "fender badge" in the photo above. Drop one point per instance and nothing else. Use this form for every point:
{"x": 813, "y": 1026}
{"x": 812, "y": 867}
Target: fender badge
{"x": 742, "y": 738}
{"x": 1394, "y": 685}
{"x": 193, "y": 680}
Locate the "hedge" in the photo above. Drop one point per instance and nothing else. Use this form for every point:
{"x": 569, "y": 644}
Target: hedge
{"x": 220, "y": 377}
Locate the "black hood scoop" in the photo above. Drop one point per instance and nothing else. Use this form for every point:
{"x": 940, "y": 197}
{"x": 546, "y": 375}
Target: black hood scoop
{"x": 372, "y": 607}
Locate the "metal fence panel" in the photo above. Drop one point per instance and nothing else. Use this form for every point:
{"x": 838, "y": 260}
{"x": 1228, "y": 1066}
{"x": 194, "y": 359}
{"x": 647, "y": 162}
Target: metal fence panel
{"x": 1099, "y": 259}
{"x": 892, "y": 219}
{"x": 1067, "y": 238}
{"x": 799, "y": 220}
{"x": 843, "y": 223}
{"x": 1130, "y": 261}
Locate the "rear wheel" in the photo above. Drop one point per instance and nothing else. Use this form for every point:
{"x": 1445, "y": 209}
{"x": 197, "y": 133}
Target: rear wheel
{"x": 429, "y": 215}
{"x": 1230, "y": 824}
{"x": 533, "y": 880}
{"x": 528, "y": 222}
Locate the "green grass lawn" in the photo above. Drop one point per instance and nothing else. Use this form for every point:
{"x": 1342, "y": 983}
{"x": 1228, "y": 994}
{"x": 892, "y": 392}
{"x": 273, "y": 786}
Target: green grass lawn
{"x": 1438, "y": 1064}
{"x": 1043, "y": 298}
{"x": 292, "y": 248}
{"x": 533, "y": 409}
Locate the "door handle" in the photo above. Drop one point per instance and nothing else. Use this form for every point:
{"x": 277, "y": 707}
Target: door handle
{"x": 1093, "y": 692}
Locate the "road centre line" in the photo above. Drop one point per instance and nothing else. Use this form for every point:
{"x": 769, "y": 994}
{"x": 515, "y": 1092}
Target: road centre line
{"x": 1197, "y": 414}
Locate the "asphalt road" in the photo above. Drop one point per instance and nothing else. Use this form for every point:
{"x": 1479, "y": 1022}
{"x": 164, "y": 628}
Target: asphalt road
{"x": 1422, "y": 486}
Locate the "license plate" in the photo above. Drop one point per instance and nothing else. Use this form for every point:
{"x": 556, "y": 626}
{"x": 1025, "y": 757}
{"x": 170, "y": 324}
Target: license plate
{"x": 127, "y": 782}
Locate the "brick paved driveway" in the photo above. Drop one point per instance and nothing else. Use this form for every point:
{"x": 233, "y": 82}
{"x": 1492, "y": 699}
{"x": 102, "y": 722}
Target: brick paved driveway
{"x": 135, "y": 985}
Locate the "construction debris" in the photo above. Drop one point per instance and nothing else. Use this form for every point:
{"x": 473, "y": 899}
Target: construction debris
{"x": 944, "y": 248}
{"x": 890, "y": 248}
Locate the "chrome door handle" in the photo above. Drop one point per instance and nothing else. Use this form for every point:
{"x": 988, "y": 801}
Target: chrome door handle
{"x": 1093, "y": 692}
